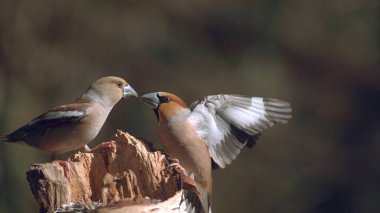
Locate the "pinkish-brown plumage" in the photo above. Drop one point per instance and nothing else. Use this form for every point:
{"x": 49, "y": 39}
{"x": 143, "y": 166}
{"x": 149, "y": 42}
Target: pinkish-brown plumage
{"x": 211, "y": 130}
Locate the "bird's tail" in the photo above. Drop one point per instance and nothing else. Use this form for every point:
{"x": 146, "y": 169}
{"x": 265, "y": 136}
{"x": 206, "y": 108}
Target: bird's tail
{"x": 3, "y": 138}
{"x": 196, "y": 203}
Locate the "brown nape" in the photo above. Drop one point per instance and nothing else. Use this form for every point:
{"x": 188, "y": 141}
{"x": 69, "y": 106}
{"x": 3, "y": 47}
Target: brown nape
{"x": 244, "y": 137}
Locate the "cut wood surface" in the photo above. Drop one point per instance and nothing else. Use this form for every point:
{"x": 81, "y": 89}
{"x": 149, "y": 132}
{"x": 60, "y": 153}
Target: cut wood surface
{"x": 133, "y": 177}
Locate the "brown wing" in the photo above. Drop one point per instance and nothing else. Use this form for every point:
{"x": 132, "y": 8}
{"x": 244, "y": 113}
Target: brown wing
{"x": 53, "y": 118}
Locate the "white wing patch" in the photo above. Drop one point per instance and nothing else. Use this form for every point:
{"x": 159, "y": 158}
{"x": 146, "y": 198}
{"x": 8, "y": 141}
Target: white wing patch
{"x": 63, "y": 114}
{"x": 58, "y": 115}
{"x": 42, "y": 123}
{"x": 226, "y": 122}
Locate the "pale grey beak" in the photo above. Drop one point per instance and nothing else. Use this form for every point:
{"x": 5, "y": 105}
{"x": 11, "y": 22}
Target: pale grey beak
{"x": 128, "y": 91}
{"x": 151, "y": 100}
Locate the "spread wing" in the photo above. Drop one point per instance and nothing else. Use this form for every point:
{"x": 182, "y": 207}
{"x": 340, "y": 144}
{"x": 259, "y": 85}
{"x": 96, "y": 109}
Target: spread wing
{"x": 228, "y": 123}
{"x": 53, "y": 118}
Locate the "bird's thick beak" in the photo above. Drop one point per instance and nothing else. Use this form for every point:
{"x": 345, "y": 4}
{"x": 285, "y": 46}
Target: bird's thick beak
{"x": 151, "y": 100}
{"x": 128, "y": 91}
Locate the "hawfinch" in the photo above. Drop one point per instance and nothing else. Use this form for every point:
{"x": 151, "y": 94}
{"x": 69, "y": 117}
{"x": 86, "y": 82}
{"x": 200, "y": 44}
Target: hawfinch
{"x": 211, "y": 132}
{"x": 72, "y": 126}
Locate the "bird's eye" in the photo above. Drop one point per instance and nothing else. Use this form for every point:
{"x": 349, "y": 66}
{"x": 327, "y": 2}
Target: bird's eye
{"x": 164, "y": 99}
{"x": 119, "y": 84}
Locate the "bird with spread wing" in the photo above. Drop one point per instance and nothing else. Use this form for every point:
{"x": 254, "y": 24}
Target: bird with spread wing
{"x": 210, "y": 133}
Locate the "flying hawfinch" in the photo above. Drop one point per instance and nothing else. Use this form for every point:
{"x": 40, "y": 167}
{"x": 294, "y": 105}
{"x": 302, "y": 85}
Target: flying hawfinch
{"x": 211, "y": 132}
{"x": 72, "y": 126}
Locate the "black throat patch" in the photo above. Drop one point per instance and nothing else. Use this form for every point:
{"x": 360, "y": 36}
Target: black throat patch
{"x": 156, "y": 112}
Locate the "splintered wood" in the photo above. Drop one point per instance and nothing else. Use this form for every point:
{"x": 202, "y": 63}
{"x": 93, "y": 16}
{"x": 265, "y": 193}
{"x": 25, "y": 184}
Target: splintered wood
{"x": 119, "y": 178}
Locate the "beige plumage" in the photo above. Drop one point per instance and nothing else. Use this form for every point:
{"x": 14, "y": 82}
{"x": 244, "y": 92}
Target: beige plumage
{"x": 72, "y": 126}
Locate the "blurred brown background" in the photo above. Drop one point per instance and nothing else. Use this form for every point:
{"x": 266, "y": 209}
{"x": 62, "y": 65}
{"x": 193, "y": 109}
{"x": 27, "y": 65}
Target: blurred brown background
{"x": 322, "y": 56}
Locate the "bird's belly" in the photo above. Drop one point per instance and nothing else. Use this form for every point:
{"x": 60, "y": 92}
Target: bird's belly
{"x": 192, "y": 154}
{"x": 60, "y": 140}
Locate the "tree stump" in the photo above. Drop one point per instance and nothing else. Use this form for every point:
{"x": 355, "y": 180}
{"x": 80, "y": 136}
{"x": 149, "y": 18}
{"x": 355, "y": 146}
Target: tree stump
{"x": 133, "y": 177}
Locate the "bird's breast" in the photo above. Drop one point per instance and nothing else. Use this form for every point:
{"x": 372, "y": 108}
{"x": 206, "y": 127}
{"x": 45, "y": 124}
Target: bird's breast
{"x": 181, "y": 141}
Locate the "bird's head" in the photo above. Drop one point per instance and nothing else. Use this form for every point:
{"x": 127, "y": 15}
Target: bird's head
{"x": 165, "y": 105}
{"x": 111, "y": 88}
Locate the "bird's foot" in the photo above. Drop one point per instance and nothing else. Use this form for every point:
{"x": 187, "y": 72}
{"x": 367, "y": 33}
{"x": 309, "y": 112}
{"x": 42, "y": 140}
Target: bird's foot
{"x": 184, "y": 180}
{"x": 67, "y": 171}
{"x": 105, "y": 145}
{"x": 175, "y": 168}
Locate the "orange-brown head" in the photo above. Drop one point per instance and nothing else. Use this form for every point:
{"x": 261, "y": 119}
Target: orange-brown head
{"x": 165, "y": 105}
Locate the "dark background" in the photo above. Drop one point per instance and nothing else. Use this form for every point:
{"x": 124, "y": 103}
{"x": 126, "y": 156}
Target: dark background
{"x": 322, "y": 56}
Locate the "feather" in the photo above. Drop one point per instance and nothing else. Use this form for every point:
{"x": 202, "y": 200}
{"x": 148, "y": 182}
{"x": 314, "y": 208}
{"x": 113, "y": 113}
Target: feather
{"x": 53, "y": 118}
{"x": 197, "y": 203}
{"x": 228, "y": 123}
{"x": 3, "y": 138}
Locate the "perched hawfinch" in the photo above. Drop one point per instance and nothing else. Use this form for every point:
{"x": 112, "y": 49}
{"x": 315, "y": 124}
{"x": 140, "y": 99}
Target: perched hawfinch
{"x": 211, "y": 132}
{"x": 72, "y": 126}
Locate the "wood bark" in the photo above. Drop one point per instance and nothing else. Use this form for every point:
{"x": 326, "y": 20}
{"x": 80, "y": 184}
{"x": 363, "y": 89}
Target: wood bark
{"x": 134, "y": 177}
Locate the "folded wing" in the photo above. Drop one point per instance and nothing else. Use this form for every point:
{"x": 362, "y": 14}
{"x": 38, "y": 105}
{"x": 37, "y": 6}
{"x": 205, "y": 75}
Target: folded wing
{"x": 51, "y": 119}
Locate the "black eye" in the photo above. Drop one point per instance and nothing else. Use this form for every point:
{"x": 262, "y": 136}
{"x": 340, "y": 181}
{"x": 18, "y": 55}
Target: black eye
{"x": 119, "y": 84}
{"x": 164, "y": 99}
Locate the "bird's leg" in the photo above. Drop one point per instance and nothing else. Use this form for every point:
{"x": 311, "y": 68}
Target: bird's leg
{"x": 175, "y": 167}
{"x": 109, "y": 144}
{"x": 185, "y": 181}
{"x": 67, "y": 170}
